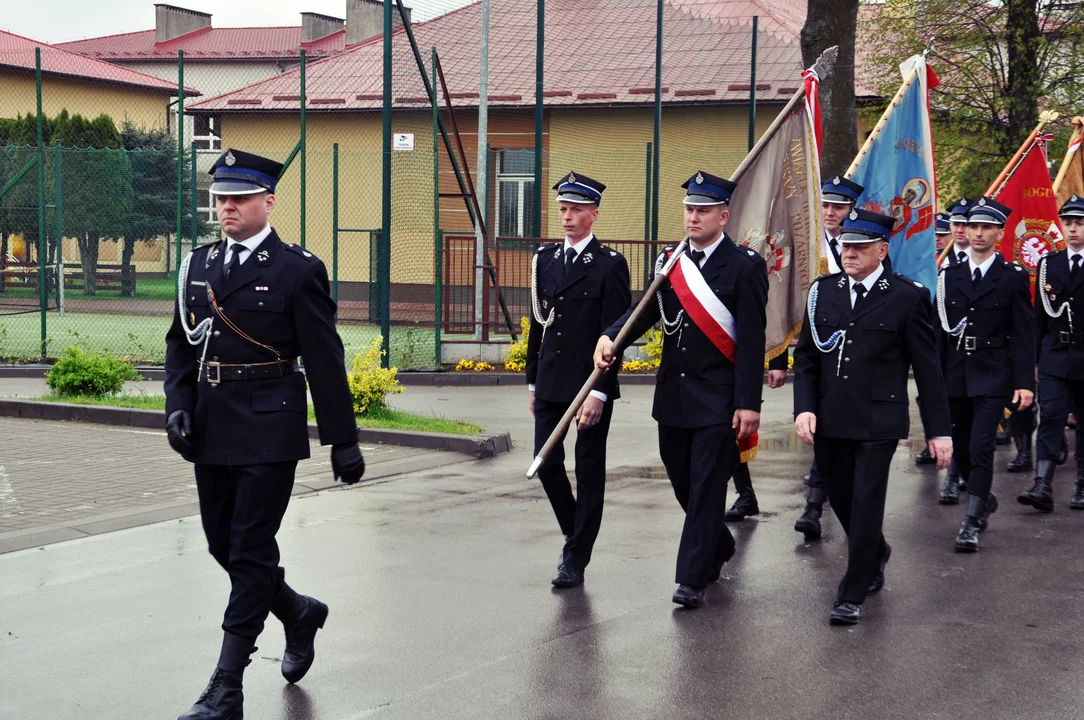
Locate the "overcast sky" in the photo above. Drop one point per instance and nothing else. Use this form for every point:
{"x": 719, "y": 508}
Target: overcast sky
{"x": 54, "y": 21}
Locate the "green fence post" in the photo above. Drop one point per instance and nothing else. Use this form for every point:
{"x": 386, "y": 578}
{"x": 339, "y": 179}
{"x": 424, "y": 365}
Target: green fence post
{"x": 658, "y": 129}
{"x": 438, "y": 237}
{"x": 539, "y": 79}
{"x": 334, "y": 222}
{"x": 753, "y": 87}
{"x": 383, "y": 259}
{"x": 59, "y": 233}
{"x": 180, "y": 156}
{"x": 43, "y": 297}
{"x": 647, "y": 215}
{"x": 194, "y": 207}
{"x": 303, "y": 103}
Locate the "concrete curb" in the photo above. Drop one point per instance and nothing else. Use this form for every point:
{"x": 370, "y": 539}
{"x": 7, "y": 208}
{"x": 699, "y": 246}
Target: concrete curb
{"x": 477, "y": 446}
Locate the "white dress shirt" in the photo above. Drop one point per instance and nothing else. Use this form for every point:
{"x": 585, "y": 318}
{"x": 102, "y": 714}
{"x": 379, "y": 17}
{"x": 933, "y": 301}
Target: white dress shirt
{"x": 1071, "y": 253}
{"x": 707, "y": 251}
{"x": 869, "y": 281}
{"x": 981, "y": 268}
{"x": 247, "y": 247}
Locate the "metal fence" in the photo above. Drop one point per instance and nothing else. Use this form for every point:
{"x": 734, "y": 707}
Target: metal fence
{"x": 104, "y": 153}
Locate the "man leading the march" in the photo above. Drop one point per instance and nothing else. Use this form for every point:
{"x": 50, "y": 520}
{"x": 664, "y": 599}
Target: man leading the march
{"x": 709, "y": 384}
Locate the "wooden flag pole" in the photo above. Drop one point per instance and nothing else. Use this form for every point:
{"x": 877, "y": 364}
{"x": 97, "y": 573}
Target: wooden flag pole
{"x": 1045, "y": 118}
{"x": 882, "y": 122}
{"x": 1078, "y": 135}
{"x": 823, "y": 68}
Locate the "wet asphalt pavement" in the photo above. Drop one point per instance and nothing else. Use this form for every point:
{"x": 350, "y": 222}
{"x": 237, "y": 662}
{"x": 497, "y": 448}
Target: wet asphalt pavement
{"x": 441, "y": 607}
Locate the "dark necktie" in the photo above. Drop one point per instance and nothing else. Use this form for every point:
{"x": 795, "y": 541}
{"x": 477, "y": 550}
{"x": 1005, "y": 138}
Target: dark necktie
{"x": 697, "y": 256}
{"x": 961, "y": 256}
{"x": 235, "y": 261}
{"x": 859, "y": 293}
{"x": 1075, "y": 267}
{"x": 570, "y": 257}
{"x": 976, "y": 278}
{"x": 834, "y": 245}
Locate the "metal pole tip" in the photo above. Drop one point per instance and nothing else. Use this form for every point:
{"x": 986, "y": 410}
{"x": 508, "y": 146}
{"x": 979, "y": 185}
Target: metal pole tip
{"x": 534, "y": 467}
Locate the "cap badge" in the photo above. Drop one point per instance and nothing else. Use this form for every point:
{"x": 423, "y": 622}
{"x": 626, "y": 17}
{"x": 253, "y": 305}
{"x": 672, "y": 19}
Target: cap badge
{"x": 1074, "y": 198}
{"x": 964, "y": 201}
{"x": 230, "y": 159}
{"x": 571, "y": 177}
{"x": 982, "y": 201}
{"x": 699, "y": 179}
{"x": 835, "y": 180}
{"x": 853, "y": 215}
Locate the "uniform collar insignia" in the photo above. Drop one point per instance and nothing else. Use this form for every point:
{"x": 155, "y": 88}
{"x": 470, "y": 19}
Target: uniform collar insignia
{"x": 842, "y": 281}
{"x": 557, "y": 254}
{"x": 588, "y": 259}
{"x": 263, "y": 256}
{"x": 883, "y": 283}
{"x": 214, "y": 253}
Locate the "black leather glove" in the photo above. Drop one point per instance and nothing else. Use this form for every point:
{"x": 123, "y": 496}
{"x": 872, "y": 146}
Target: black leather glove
{"x": 179, "y": 429}
{"x": 347, "y": 462}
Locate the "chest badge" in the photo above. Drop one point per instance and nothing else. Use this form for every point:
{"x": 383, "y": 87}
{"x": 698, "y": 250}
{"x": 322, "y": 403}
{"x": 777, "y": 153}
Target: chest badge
{"x": 545, "y": 304}
{"x": 262, "y": 288}
{"x": 191, "y": 318}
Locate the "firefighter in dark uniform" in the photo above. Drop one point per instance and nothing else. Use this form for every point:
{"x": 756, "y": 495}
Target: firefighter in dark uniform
{"x": 864, "y": 329}
{"x": 838, "y": 198}
{"x": 579, "y": 287}
{"x": 236, "y": 407}
{"x": 745, "y": 504}
{"x": 705, "y": 401}
{"x": 987, "y": 348}
{"x": 1059, "y": 315}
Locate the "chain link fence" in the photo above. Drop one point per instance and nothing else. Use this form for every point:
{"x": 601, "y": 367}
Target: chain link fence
{"x": 105, "y": 148}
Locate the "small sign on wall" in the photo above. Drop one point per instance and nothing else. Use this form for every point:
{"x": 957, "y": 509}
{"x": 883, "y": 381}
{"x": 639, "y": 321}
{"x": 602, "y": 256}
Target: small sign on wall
{"x": 403, "y": 141}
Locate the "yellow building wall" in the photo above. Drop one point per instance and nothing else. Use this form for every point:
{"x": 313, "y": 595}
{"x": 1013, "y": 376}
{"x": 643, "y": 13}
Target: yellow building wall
{"x": 18, "y": 95}
{"x": 360, "y": 169}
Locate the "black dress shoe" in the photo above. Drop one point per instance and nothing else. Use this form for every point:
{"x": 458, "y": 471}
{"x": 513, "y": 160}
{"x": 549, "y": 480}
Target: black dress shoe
{"x": 221, "y": 700}
{"x": 688, "y": 596}
{"x": 845, "y": 613}
{"x": 809, "y": 524}
{"x": 924, "y": 457}
{"x": 878, "y": 582}
{"x": 567, "y": 577}
{"x": 301, "y": 639}
{"x": 967, "y": 539}
{"x": 950, "y": 491}
{"x": 744, "y": 506}
{"x": 991, "y": 507}
{"x": 1040, "y": 495}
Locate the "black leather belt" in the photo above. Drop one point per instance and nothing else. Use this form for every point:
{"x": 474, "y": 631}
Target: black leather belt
{"x": 1070, "y": 338}
{"x": 216, "y": 372}
{"x": 973, "y": 342}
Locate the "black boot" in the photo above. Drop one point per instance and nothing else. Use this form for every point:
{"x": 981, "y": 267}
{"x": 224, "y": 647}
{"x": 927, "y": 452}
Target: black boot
{"x": 301, "y": 638}
{"x": 745, "y": 505}
{"x": 809, "y": 523}
{"x": 1063, "y": 452}
{"x": 1041, "y": 494}
{"x": 1077, "y": 503}
{"x": 924, "y": 457}
{"x": 950, "y": 491}
{"x": 1002, "y": 437}
{"x": 989, "y": 509}
{"x": 1022, "y": 462}
{"x": 222, "y": 699}
{"x": 967, "y": 539}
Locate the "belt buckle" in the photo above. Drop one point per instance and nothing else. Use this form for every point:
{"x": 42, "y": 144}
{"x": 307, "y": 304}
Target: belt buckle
{"x": 1065, "y": 337}
{"x": 970, "y": 342}
{"x": 218, "y": 373}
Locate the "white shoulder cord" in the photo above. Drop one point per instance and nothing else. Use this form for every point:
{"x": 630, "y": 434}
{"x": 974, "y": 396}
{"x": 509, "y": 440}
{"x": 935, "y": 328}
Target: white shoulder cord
{"x": 835, "y": 340}
{"x": 1046, "y": 298}
{"x": 957, "y": 331}
{"x": 669, "y": 327}
{"x": 202, "y": 331}
{"x": 534, "y": 300}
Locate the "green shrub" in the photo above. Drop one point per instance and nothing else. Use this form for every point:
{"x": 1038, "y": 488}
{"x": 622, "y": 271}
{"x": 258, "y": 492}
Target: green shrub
{"x": 370, "y": 384}
{"x": 78, "y": 372}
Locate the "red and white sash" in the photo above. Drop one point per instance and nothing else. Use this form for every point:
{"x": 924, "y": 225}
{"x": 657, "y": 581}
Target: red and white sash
{"x": 704, "y": 307}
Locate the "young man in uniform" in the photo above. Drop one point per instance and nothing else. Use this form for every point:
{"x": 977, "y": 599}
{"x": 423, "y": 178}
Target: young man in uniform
{"x": 864, "y": 329}
{"x": 987, "y": 347}
{"x": 1059, "y": 307}
{"x": 236, "y": 407}
{"x": 708, "y": 388}
{"x": 579, "y": 287}
{"x": 838, "y": 198}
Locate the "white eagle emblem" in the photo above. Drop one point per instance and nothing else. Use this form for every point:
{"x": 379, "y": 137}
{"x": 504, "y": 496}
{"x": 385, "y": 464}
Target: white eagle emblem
{"x": 230, "y": 159}
{"x": 770, "y": 246}
{"x": 571, "y": 178}
{"x": 699, "y": 178}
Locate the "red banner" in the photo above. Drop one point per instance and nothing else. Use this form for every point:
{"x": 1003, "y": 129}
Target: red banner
{"x": 1034, "y": 228}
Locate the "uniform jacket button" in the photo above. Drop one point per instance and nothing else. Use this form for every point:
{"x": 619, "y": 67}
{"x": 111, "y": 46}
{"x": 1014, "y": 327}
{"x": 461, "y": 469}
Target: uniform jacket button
{"x": 682, "y": 374}
{"x": 845, "y": 377}
{"x": 849, "y": 342}
{"x": 686, "y": 324}
{"x": 561, "y": 298}
{"x": 846, "y": 359}
{"x": 558, "y": 352}
{"x": 558, "y": 334}
{"x": 684, "y": 349}
{"x": 850, "y": 324}
{"x": 214, "y": 359}
{"x": 217, "y": 333}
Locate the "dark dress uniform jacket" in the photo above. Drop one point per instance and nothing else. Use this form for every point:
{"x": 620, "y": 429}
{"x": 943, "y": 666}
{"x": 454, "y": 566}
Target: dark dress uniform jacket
{"x": 696, "y": 386}
{"x": 890, "y": 332}
{"x": 1000, "y": 318}
{"x": 279, "y": 297}
{"x": 1056, "y": 357}
{"x": 584, "y": 304}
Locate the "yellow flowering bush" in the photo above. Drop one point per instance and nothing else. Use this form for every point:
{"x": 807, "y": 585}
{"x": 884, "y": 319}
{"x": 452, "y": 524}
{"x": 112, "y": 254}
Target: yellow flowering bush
{"x": 640, "y": 365}
{"x": 464, "y": 365}
{"x": 370, "y": 384}
{"x": 515, "y": 357}
{"x": 482, "y": 366}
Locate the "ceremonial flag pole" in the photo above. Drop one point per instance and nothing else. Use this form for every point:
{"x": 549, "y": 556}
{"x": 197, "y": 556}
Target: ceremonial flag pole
{"x": 1045, "y": 118}
{"x": 820, "y": 70}
{"x": 1070, "y": 179}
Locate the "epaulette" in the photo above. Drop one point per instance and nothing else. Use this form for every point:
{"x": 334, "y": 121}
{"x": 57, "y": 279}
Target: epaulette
{"x": 607, "y": 250}
{"x": 669, "y": 248}
{"x": 544, "y": 248}
{"x": 908, "y": 280}
{"x": 825, "y": 276}
{"x": 298, "y": 250}
{"x": 1016, "y": 266}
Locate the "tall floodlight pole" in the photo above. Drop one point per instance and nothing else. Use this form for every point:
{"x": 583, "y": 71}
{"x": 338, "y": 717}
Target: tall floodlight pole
{"x": 480, "y": 240}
